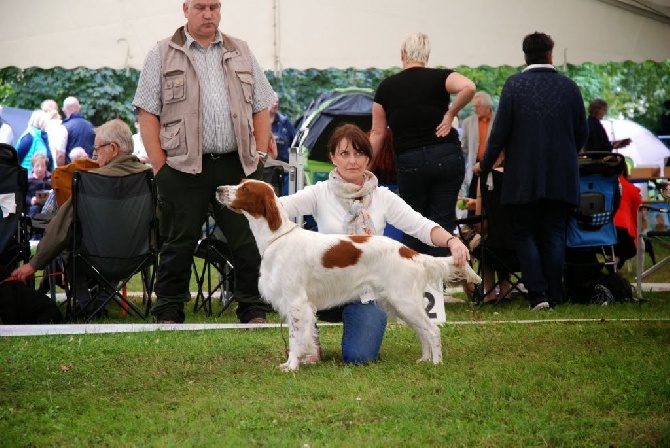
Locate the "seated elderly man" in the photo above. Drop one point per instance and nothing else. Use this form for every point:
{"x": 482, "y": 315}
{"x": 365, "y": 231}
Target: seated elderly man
{"x": 113, "y": 150}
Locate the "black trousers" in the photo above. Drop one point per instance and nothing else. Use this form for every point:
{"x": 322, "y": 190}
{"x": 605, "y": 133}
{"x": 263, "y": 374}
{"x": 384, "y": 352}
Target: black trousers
{"x": 184, "y": 200}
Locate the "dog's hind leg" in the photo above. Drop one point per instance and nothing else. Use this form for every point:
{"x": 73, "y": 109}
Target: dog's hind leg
{"x": 301, "y": 321}
{"x": 412, "y": 312}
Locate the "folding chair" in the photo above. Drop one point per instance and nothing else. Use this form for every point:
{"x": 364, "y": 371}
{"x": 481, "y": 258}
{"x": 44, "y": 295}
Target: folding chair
{"x": 14, "y": 231}
{"x": 115, "y": 236}
{"x": 496, "y": 249}
{"x": 644, "y": 240}
{"x": 216, "y": 277}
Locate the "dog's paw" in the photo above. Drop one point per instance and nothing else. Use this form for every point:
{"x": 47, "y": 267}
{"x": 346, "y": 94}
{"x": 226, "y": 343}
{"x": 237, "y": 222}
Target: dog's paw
{"x": 289, "y": 366}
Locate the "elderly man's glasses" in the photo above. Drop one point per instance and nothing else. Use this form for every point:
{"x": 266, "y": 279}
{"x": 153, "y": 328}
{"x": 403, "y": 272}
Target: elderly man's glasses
{"x": 97, "y": 148}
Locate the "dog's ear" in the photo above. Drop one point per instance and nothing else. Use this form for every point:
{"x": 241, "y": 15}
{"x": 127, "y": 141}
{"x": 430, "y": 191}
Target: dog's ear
{"x": 271, "y": 210}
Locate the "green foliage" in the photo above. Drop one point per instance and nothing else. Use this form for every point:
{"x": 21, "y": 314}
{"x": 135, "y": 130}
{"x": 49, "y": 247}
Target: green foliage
{"x": 634, "y": 91}
{"x": 104, "y": 94}
{"x": 298, "y": 88}
{"x": 487, "y": 79}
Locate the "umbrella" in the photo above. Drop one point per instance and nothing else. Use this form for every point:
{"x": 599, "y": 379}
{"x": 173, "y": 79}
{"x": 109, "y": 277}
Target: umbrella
{"x": 645, "y": 148}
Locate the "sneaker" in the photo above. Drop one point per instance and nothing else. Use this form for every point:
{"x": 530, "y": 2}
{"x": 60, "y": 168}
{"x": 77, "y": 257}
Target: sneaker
{"x": 540, "y": 306}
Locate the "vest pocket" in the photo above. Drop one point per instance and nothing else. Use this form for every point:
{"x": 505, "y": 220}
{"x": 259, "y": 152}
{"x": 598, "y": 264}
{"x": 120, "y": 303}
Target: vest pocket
{"x": 174, "y": 83}
{"x": 247, "y": 82}
{"x": 173, "y": 139}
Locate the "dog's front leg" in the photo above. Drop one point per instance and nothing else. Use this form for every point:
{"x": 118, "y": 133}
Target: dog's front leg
{"x": 294, "y": 331}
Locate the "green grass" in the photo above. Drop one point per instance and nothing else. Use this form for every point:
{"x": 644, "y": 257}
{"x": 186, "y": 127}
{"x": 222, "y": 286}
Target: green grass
{"x": 595, "y": 383}
{"x": 502, "y": 384}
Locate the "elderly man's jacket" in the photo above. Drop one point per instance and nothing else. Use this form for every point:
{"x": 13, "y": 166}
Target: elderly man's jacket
{"x": 58, "y": 234}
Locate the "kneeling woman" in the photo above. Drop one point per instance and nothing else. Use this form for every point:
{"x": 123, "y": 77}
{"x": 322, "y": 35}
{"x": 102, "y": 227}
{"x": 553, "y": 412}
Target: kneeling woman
{"x": 350, "y": 202}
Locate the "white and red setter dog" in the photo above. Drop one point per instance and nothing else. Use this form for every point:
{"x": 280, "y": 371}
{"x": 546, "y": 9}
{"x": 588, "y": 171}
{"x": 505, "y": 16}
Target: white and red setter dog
{"x": 303, "y": 271}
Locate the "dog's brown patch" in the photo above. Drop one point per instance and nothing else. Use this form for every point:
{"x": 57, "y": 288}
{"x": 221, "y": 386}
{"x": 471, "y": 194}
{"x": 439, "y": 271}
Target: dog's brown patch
{"x": 342, "y": 255}
{"x": 359, "y": 238}
{"x": 258, "y": 199}
{"x": 406, "y": 252}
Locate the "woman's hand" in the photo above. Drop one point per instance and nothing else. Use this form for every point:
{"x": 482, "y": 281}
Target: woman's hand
{"x": 444, "y": 127}
{"x": 477, "y": 169}
{"x": 459, "y": 253}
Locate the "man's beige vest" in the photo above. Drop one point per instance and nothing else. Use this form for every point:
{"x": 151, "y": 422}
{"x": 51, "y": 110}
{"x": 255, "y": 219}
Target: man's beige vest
{"x": 181, "y": 118}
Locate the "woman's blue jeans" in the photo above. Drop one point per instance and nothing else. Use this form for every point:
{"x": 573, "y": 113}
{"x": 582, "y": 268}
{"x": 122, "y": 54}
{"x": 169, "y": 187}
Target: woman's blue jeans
{"x": 364, "y": 325}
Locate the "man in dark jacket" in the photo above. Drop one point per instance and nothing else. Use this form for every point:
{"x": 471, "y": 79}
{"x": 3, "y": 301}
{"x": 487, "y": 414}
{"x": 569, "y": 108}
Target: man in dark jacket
{"x": 541, "y": 125}
{"x": 80, "y": 131}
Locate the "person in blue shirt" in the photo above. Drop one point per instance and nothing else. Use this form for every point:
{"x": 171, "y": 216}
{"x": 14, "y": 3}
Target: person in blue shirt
{"x": 34, "y": 141}
{"x": 282, "y": 130}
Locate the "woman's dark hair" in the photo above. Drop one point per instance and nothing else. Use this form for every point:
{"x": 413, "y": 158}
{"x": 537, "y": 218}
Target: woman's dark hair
{"x": 354, "y": 134}
{"x": 537, "y": 48}
{"x": 596, "y": 105}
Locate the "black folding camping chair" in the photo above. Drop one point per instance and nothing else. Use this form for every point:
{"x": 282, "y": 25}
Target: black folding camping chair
{"x": 115, "y": 237}
{"x": 216, "y": 277}
{"x": 14, "y": 229}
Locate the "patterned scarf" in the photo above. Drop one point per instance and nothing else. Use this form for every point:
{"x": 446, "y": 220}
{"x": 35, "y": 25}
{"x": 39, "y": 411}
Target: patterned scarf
{"x": 355, "y": 200}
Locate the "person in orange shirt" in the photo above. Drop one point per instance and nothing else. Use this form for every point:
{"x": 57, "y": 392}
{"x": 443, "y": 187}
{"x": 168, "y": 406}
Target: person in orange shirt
{"x": 474, "y": 136}
{"x": 625, "y": 221}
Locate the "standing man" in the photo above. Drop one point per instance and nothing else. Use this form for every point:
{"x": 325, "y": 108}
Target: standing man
{"x": 541, "y": 125}
{"x": 80, "y": 131}
{"x": 282, "y": 130}
{"x": 475, "y": 134}
{"x": 202, "y": 103}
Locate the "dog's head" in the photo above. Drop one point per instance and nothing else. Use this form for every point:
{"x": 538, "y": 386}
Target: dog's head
{"x": 254, "y": 198}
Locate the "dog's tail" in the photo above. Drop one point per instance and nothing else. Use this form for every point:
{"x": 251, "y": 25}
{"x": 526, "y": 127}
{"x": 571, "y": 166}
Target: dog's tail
{"x": 442, "y": 270}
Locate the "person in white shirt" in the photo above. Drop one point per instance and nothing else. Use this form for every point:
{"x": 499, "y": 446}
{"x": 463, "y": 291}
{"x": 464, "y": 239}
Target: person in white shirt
{"x": 55, "y": 131}
{"x": 6, "y": 132}
{"x": 138, "y": 146}
{"x": 350, "y": 202}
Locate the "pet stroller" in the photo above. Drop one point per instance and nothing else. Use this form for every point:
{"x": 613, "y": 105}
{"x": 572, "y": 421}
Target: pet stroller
{"x": 590, "y": 265}
{"x": 495, "y": 250}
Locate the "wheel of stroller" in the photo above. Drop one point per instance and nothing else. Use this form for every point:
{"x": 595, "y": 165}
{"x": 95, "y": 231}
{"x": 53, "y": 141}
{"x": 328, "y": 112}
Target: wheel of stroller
{"x": 602, "y": 295}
